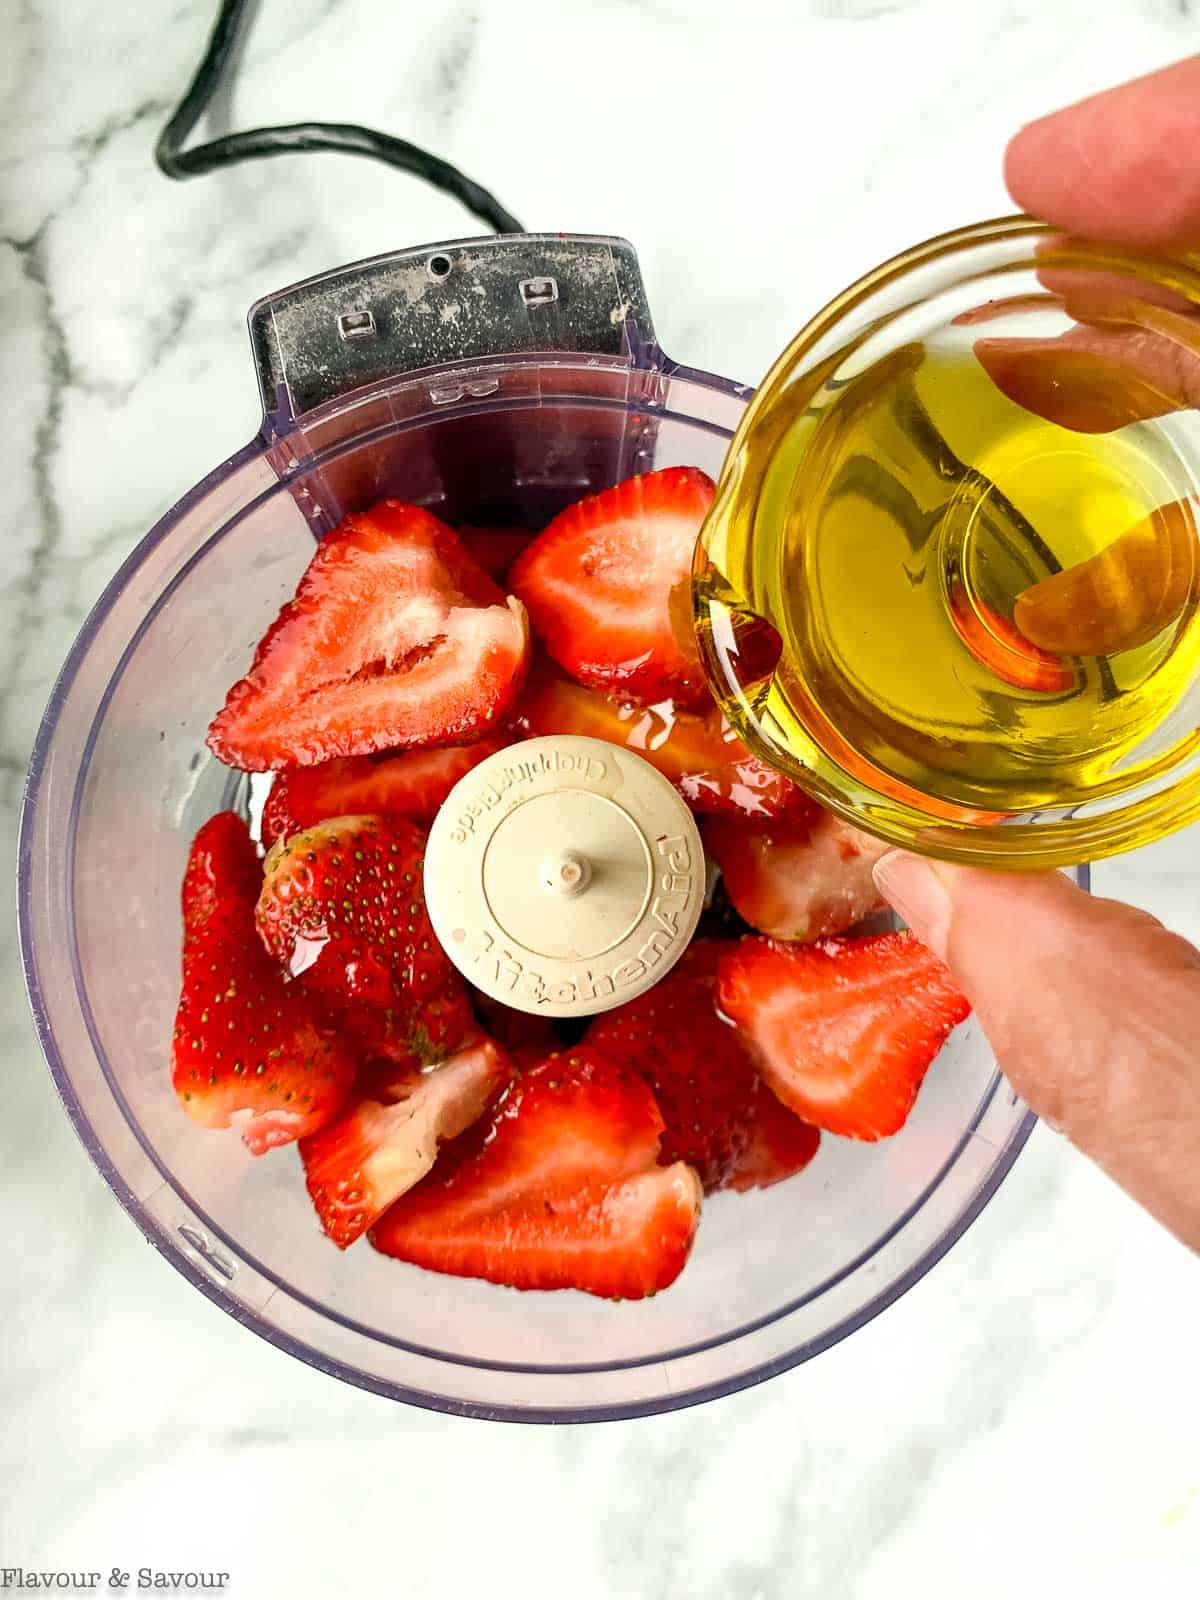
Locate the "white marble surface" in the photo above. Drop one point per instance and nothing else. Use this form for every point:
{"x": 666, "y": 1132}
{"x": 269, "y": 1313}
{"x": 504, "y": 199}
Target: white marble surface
{"x": 1026, "y": 1419}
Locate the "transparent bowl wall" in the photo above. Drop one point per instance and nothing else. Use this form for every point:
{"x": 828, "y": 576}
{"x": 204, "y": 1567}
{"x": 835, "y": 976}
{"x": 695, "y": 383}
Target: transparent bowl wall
{"x": 121, "y": 781}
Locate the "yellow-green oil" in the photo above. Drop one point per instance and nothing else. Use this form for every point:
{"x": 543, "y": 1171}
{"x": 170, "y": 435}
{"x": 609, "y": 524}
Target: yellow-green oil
{"x": 860, "y": 510}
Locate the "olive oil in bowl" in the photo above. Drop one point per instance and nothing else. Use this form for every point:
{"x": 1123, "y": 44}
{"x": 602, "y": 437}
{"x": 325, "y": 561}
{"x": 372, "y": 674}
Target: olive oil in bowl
{"x": 989, "y": 614}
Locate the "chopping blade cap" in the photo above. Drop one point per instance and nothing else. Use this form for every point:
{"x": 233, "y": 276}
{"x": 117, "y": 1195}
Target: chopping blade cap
{"x": 564, "y": 876}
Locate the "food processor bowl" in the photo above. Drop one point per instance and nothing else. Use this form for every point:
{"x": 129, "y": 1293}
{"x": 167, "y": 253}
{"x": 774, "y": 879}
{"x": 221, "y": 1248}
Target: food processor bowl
{"x": 492, "y": 381}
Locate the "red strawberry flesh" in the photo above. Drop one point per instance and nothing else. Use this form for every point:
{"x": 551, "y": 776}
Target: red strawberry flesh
{"x": 778, "y": 1145}
{"x": 561, "y": 1191}
{"x": 388, "y": 1137}
{"x": 528, "y": 1039}
{"x": 704, "y": 1081}
{"x": 248, "y": 1050}
{"x": 845, "y": 1030}
{"x": 410, "y": 1036}
{"x": 601, "y": 585}
{"x": 699, "y": 754}
{"x": 411, "y": 785}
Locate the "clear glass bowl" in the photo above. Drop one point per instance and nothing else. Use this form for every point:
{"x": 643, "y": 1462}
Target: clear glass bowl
{"x": 121, "y": 780}
{"x": 1132, "y": 332}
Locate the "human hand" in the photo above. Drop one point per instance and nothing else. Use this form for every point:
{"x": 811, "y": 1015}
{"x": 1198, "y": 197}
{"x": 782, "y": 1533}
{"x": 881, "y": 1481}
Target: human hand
{"x": 1092, "y": 1007}
{"x": 1120, "y": 165}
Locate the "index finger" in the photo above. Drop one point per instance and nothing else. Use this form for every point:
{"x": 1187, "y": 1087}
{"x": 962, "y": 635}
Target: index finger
{"x": 1121, "y": 165}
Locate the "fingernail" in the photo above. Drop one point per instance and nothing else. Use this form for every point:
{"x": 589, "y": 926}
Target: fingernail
{"x": 912, "y": 887}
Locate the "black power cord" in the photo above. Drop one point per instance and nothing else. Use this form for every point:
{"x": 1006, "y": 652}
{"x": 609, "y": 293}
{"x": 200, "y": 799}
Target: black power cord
{"x": 258, "y": 143}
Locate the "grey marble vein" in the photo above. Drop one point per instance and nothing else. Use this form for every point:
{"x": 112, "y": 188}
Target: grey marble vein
{"x": 450, "y": 68}
{"x": 56, "y": 375}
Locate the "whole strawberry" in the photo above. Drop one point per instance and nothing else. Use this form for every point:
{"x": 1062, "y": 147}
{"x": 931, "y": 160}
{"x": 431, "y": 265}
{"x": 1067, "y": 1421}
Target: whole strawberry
{"x": 343, "y": 907}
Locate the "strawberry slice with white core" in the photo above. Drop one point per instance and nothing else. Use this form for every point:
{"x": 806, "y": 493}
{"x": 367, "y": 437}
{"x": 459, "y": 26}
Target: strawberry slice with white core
{"x": 802, "y": 877}
{"x": 388, "y": 1138}
{"x": 602, "y": 584}
{"x": 844, "y": 1031}
{"x": 562, "y": 1191}
{"x": 395, "y": 638}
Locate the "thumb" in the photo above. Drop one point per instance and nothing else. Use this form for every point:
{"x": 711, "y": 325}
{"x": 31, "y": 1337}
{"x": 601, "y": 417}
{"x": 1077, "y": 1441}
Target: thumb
{"x": 1092, "y": 1008}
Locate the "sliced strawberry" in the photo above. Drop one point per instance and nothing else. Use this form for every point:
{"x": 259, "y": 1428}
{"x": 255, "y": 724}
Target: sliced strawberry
{"x": 560, "y": 1191}
{"x": 388, "y": 1137}
{"x": 799, "y": 878}
{"x": 495, "y": 549}
{"x": 247, "y": 1049}
{"x": 1000, "y": 646}
{"x": 599, "y": 585}
{"x": 677, "y": 743}
{"x": 704, "y": 1081}
{"x": 701, "y": 755}
{"x": 844, "y": 1031}
{"x": 395, "y": 637}
{"x": 410, "y": 785}
{"x": 778, "y": 1144}
{"x": 342, "y": 908}
{"x": 743, "y": 786}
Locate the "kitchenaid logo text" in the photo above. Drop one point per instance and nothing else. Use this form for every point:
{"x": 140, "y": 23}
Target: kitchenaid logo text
{"x": 118, "y": 1578}
{"x": 488, "y": 795}
{"x": 673, "y": 886}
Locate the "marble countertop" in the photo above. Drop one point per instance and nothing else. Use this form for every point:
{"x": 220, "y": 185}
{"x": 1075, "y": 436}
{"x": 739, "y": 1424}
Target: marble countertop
{"x": 1025, "y": 1419}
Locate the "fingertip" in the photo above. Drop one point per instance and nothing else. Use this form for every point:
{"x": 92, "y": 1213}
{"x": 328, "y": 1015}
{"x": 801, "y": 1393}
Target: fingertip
{"x": 1042, "y": 161}
{"x": 1020, "y": 158}
{"x": 1118, "y": 165}
{"x": 914, "y": 888}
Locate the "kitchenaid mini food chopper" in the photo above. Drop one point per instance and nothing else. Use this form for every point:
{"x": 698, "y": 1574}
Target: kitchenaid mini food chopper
{"x": 490, "y": 380}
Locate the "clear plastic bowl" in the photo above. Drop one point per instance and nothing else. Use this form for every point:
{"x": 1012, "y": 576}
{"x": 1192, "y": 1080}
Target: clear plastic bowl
{"x": 121, "y": 780}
